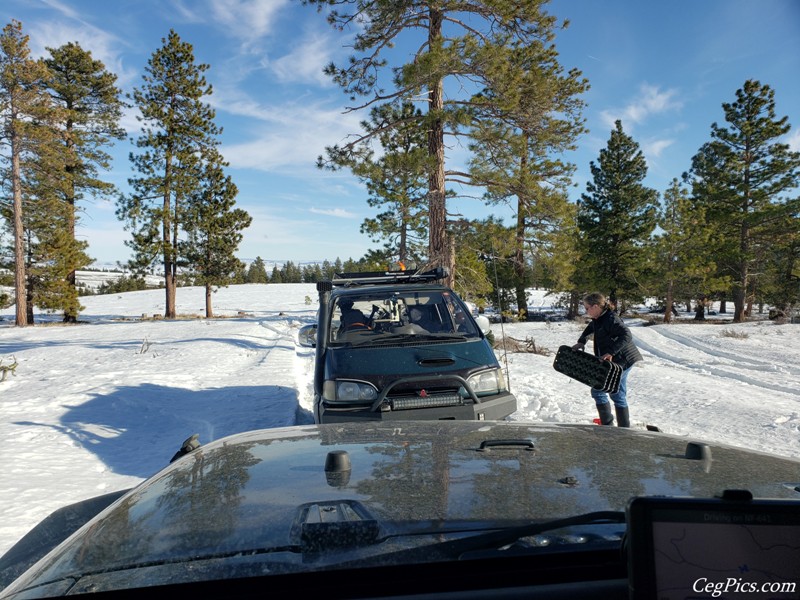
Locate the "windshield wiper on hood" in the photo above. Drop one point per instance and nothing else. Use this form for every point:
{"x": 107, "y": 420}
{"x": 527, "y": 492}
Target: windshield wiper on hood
{"x": 389, "y": 338}
{"x": 497, "y": 538}
{"x": 352, "y": 536}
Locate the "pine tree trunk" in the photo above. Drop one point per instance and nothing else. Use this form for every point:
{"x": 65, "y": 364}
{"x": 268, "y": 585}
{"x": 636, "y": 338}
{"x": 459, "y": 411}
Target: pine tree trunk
{"x": 439, "y": 250}
{"x": 209, "y": 310}
{"x": 20, "y": 292}
{"x": 519, "y": 245}
{"x": 740, "y": 286}
{"x": 574, "y": 305}
{"x": 166, "y": 231}
{"x": 669, "y": 301}
{"x": 29, "y": 305}
{"x": 402, "y": 246}
{"x": 70, "y": 316}
{"x": 519, "y": 263}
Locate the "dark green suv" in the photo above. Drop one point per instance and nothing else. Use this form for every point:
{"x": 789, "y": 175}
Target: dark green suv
{"x": 400, "y": 346}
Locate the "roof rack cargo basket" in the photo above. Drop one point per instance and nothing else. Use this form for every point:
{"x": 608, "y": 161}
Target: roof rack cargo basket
{"x": 381, "y": 277}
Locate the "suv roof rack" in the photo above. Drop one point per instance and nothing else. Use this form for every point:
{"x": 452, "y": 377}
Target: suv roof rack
{"x": 381, "y": 277}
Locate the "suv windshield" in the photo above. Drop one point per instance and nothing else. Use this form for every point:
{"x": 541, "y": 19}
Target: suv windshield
{"x": 380, "y": 317}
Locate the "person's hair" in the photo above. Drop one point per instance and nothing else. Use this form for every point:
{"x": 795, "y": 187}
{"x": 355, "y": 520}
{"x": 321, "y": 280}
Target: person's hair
{"x": 598, "y": 299}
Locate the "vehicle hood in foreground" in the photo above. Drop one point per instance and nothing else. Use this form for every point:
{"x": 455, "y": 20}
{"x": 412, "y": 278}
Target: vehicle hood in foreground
{"x": 309, "y": 497}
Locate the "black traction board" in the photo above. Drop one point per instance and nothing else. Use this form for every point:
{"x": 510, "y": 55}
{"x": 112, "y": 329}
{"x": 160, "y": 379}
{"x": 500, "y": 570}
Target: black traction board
{"x": 587, "y": 368}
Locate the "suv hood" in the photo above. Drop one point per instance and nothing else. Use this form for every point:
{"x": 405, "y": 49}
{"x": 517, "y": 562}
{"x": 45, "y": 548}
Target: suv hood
{"x": 267, "y": 492}
{"x": 387, "y": 361}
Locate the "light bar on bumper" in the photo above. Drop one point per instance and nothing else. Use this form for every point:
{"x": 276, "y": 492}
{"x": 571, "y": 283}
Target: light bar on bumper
{"x": 412, "y": 402}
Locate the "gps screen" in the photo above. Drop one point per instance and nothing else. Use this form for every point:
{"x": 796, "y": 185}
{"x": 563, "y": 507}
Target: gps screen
{"x": 683, "y": 548}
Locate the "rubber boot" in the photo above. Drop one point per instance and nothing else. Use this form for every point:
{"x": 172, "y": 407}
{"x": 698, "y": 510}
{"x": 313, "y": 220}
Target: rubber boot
{"x": 604, "y": 410}
{"x": 623, "y": 419}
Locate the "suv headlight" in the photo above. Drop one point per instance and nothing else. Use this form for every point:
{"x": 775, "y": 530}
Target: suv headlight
{"x": 488, "y": 382}
{"x": 349, "y": 391}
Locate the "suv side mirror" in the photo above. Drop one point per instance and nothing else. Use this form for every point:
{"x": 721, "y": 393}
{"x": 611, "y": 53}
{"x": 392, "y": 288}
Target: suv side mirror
{"x": 483, "y": 323}
{"x": 307, "y": 336}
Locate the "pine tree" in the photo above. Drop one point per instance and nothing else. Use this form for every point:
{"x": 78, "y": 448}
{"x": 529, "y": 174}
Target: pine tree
{"x": 466, "y": 53}
{"x": 780, "y": 284}
{"x": 276, "y": 276}
{"x": 742, "y": 178}
{"x": 616, "y": 218}
{"x": 214, "y": 229}
{"x": 312, "y": 273}
{"x": 517, "y": 148}
{"x": 51, "y": 250}
{"x": 684, "y": 267}
{"x": 26, "y": 118}
{"x": 91, "y": 109}
{"x": 291, "y": 273}
{"x": 327, "y": 270}
{"x": 240, "y": 274}
{"x": 396, "y": 181}
{"x": 178, "y": 128}
{"x": 474, "y": 241}
{"x": 257, "y": 273}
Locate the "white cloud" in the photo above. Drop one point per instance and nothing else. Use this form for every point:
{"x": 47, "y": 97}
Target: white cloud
{"x": 104, "y": 46}
{"x": 306, "y": 61}
{"x": 247, "y": 20}
{"x": 186, "y": 13}
{"x": 653, "y": 149}
{"x": 64, "y": 9}
{"x": 302, "y": 237}
{"x": 793, "y": 139}
{"x": 334, "y": 212}
{"x": 651, "y": 100}
{"x": 292, "y": 135}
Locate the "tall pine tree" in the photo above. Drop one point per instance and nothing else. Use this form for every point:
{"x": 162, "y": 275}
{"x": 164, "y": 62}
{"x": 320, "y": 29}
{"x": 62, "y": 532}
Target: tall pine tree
{"x": 461, "y": 48}
{"x": 91, "y": 108}
{"x": 517, "y": 151}
{"x": 684, "y": 266}
{"x": 214, "y": 229}
{"x": 26, "y": 118}
{"x": 616, "y": 217}
{"x": 178, "y": 129}
{"x": 396, "y": 181}
{"x": 744, "y": 178}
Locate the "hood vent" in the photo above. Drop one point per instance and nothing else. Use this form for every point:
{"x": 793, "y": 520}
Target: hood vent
{"x": 440, "y": 361}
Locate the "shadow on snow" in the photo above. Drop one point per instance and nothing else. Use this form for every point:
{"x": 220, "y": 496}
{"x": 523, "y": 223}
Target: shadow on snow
{"x": 135, "y": 430}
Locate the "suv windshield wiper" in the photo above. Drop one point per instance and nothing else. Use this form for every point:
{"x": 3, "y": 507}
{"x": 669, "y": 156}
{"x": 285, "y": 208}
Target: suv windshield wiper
{"x": 388, "y": 338}
{"x": 456, "y": 549}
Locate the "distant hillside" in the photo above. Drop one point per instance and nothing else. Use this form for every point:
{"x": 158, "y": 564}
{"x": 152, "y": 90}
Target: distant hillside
{"x": 94, "y": 279}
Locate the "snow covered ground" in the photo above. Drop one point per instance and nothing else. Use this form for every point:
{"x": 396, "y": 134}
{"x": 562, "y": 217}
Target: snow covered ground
{"x": 100, "y": 406}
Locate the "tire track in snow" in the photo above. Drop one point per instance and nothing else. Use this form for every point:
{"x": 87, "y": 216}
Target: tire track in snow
{"x": 744, "y": 362}
{"x": 713, "y": 366}
{"x": 290, "y": 365}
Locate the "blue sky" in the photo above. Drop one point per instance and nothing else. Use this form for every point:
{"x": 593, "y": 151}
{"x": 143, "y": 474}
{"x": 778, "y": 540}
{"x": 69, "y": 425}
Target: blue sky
{"x": 663, "y": 68}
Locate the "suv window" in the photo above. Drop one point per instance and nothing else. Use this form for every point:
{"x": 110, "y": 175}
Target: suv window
{"x": 380, "y": 317}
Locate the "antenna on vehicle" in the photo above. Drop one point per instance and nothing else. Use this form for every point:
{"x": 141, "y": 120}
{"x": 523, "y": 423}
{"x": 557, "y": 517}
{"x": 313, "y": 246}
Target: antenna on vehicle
{"x": 500, "y": 306}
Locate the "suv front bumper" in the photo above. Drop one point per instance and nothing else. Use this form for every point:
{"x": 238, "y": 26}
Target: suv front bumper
{"x": 490, "y": 408}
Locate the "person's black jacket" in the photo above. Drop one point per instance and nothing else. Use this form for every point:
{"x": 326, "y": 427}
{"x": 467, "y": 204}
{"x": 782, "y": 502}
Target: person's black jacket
{"x": 612, "y": 336}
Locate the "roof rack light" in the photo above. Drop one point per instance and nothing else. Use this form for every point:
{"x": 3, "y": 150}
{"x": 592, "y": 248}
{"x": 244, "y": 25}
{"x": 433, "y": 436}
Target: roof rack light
{"x": 379, "y": 277}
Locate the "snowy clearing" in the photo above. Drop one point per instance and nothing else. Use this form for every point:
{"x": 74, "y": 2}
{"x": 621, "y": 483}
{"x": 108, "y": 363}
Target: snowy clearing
{"x": 99, "y": 406}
